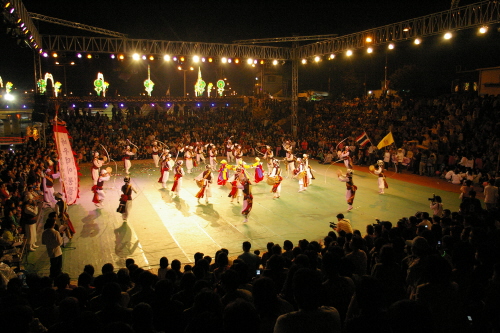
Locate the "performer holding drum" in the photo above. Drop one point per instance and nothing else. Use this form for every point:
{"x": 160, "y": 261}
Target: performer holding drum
{"x": 98, "y": 189}
{"x": 275, "y": 178}
{"x": 301, "y": 174}
{"x": 97, "y": 163}
{"x": 379, "y": 171}
{"x": 127, "y": 155}
{"x": 204, "y": 182}
{"x": 350, "y": 187}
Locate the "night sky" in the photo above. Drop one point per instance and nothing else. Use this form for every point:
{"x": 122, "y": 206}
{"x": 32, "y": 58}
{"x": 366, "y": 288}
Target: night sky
{"x": 226, "y": 21}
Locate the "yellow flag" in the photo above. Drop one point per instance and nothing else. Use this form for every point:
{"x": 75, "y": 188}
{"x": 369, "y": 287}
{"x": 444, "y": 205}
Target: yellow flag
{"x": 387, "y": 140}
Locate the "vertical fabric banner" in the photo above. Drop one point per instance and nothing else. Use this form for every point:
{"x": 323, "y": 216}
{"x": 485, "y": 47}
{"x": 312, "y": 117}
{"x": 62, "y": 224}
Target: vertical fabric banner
{"x": 67, "y": 164}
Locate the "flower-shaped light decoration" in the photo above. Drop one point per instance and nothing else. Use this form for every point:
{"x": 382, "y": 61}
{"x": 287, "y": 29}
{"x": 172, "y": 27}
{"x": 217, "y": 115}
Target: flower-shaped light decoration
{"x": 220, "y": 87}
{"x": 57, "y": 88}
{"x": 148, "y": 84}
{"x": 42, "y": 86}
{"x": 209, "y": 88}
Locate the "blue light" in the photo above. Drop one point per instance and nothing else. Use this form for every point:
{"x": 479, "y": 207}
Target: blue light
{"x": 168, "y": 104}
{"x": 121, "y": 105}
{"x": 227, "y": 104}
{"x": 74, "y": 105}
{"x": 90, "y": 105}
{"x": 213, "y": 104}
{"x": 24, "y": 106}
{"x": 152, "y": 104}
{"x": 106, "y": 105}
{"x": 6, "y": 106}
{"x": 198, "y": 104}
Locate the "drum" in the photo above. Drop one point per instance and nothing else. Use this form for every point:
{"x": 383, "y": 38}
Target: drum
{"x": 229, "y": 181}
{"x": 301, "y": 175}
{"x": 270, "y": 180}
{"x": 200, "y": 183}
{"x": 134, "y": 150}
{"x": 371, "y": 168}
{"x": 109, "y": 170}
{"x": 105, "y": 159}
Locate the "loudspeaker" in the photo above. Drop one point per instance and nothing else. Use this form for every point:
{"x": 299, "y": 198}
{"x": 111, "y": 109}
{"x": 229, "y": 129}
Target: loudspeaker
{"x": 40, "y": 109}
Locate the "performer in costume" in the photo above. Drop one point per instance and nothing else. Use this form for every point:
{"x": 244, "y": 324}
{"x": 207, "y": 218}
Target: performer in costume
{"x": 188, "y": 156}
{"x": 156, "y": 154}
{"x": 379, "y": 170}
{"x": 268, "y": 156}
{"x": 259, "y": 171}
{"x": 98, "y": 189}
{"x": 179, "y": 173}
{"x": 199, "y": 153}
{"x": 350, "y": 187}
{"x": 229, "y": 151}
{"x": 276, "y": 175}
{"x": 238, "y": 154}
{"x": 223, "y": 173}
{"x": 308, "y": 168}
{"x": 127, "y": 154}
{"x": 212, "y": 154}
{"x": 48, "y": 186}
{"x": 65, "y": 225}
{"x": 235, "y": 191}
{"x": 346, "y": 156}
{"x": 96, "y": 165}
{"x": 246, "y": 188}
{"x": 302, "y": 175}
{"x": 290, "y": 162}
{"x": 205, "y": 180}
{"x": 126, "y": 198}
{"x": 166, "y": 166}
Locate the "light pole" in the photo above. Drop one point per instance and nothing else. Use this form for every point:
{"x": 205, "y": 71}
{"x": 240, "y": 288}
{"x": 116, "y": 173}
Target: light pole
{"x": 185, "y": 70}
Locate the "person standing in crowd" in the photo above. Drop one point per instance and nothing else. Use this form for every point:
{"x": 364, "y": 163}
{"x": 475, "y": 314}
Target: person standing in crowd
{"x": 65, "y": 225}
{"x": 205, "y": 180}
{"x": 238, "y": 154}
{"x": 178, "y": 175}
{"x": 350, "y": 187}
{"x": 155, "y": 152}
{"x": 276, "y": 175}
{"x": 491, "y": 195}
{"x": 96, "y": 165}
{"x": 379, "y": 171}
{"x": 400, "y": 155}
{"x": 127, "y": 155}
{"x": 48, "y": 186}
{"x": 387, "y": 158}
{"x": 53, "y": 241}
{"x": 166, "y": 166}
{"x": 30, "y": 219}
{"x": 98, "y": 189}
{"x": 343, "y": 224}
{"x": 437, "y": 206}
{"x": 126, "y": 197}
{"x": 246, "y": 188}
{"x": 212, "y": 155}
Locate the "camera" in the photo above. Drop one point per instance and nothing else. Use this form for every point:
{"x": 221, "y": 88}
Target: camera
{"x": 433, "y": 197}
{"x": 333, "y": 225}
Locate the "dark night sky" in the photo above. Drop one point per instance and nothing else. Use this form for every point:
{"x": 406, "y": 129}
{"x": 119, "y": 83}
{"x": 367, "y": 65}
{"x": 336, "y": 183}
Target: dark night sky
{"x": 225, "y": 21}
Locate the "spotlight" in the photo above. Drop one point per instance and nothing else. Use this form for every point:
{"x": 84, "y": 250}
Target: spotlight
{"x": 210, "y": 60}
{"x": 391, "y": 46}
{"x": 349, "y": 53}
{"x": 203, "y": 59}
{"x": 332, "y": 56}
{"x": 448, "y": 35}
{"x": 317, "y": 58}
{"x": 417, "y": 41}
{"x": 236, "y": 61}
{"x": 174, "y": 58}
{"x": 55, "y": 55}
{"x": 249, "y": 61}
{"x": 136, "y": 56}
{"x": 304, "y": 61}
{"x": 229, "y": 60}
{"x": 166, "y": 57}
{"x": 369, "y": 50}
{"x": 121, "y": 57}
{"x": 113, "y": 56}
{"x": 144, "y": 57}
{"x": 483, "y": 29}
{"x": 151, "y": 57}
{"x": 89, "y": 56}
{"x": 224, "y": 60}
{"x": 181, "y": 58}
{"x": 262, "y": 62}
{"x": 196, "y": 59}
{"x": 79, "y": 55}
{"x": 275, "y": 62}
{"x": 368, "y": 39}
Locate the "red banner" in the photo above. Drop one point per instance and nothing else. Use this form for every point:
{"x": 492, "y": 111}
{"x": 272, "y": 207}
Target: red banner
{"x": 67, "y": 164}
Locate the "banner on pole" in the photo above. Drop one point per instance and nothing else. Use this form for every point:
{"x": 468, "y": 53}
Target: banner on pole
{"x": 67, "y": 164}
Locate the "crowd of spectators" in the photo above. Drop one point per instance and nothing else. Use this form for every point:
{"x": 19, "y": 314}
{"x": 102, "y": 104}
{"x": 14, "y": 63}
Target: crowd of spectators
{"x": 432, "y": 273}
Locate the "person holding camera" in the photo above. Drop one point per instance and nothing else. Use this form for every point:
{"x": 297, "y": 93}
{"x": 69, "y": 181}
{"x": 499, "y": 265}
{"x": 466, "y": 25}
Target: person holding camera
{"x": 436, "y": 205}
{"x": 342, "y": 224}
